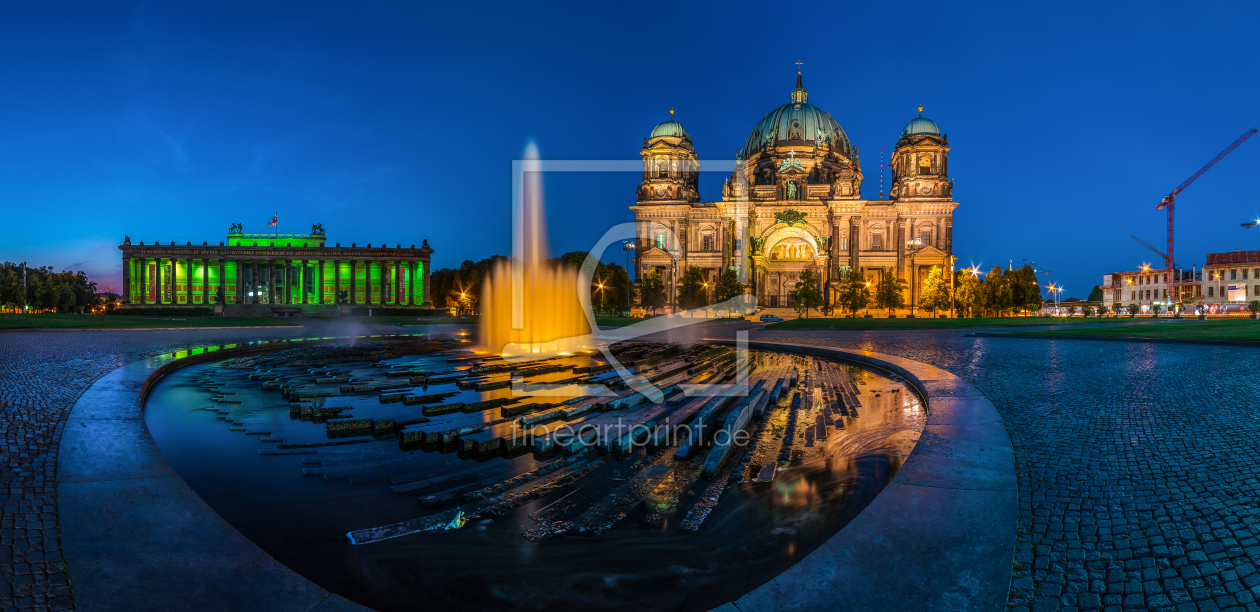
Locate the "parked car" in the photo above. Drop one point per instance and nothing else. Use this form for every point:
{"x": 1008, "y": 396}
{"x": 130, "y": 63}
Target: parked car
{"x": 771, "y": 319}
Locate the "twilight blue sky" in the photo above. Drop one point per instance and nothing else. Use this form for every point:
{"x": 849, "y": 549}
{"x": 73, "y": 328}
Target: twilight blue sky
{"x": 398, "y": 122}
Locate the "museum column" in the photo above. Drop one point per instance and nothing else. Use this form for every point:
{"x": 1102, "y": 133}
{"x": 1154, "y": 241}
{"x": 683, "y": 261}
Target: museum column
{"x": 205, "y": 282}
{"x": 144, "y": 286}
{"x": 398, "y": 284}
{"x": 353, "y": 298}
{"x": 126, "y": 298}
{"x": 319, "y": 275}
{"x": 158, "y": 283}
{"x": 336, "y": 280}
{"x": 424, "y": 286}
{"x": 253, "y": 282}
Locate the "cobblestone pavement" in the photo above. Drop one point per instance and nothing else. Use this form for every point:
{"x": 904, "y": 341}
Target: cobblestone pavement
{"x": 1137, "y": 464}
{"x": 42, "y": 374}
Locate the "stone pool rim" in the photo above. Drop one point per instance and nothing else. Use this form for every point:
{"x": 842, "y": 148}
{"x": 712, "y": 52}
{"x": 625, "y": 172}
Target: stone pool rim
{"x": 112, "y": 479}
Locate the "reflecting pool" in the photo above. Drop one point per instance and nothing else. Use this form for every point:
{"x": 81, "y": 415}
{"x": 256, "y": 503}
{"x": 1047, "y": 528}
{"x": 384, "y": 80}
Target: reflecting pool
{"x": 418, "y": 473}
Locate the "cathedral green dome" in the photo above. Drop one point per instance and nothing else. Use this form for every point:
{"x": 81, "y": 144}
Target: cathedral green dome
{"x": 798, "y": 122}
{"x": 671, "y": 128}
{"x": 920, "y": 125}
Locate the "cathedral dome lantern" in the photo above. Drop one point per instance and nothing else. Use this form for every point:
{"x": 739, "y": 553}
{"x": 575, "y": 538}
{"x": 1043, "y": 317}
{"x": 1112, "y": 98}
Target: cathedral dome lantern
{"x": 670, "y": 167}
{"x": 798, "y": 123}
{"x": 802, "y": 152}
{"x": 920, "y": 162}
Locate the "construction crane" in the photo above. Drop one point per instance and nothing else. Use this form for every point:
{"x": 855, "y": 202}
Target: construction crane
{"x": 1167, "y": 203}
{"x": 1153, "y": 249}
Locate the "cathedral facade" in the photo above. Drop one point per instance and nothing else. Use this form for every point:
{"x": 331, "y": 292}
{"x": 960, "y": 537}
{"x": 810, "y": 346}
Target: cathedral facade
{"x": 793, "y": 202}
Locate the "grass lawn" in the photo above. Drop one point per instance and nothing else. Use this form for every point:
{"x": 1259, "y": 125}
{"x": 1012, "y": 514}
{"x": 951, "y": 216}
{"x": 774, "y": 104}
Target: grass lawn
{"x": 899, "y": 323}
{"x": 407, "y": 320}
{"x": 1227, "y": 329}
{"x": 74, "y": 321}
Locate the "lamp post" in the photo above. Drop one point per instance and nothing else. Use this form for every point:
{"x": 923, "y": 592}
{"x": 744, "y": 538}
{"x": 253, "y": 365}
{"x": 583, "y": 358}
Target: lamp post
{"x": 952, "y": 259}
{"x": 628, "y": 247}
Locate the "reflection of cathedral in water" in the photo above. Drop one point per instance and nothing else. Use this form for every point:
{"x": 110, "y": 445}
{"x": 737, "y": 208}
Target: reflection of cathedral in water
{"x": 794, "y": 202}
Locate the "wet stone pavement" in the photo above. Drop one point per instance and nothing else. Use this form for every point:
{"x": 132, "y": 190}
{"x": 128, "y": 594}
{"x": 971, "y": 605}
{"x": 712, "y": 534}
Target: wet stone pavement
{"x": 1136, "y": 462}
{"x": 42, "y": 374}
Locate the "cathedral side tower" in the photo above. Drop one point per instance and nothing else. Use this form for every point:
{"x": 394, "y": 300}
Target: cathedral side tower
{"x": 671, "y": 172}
{"x": 921, "y": 162}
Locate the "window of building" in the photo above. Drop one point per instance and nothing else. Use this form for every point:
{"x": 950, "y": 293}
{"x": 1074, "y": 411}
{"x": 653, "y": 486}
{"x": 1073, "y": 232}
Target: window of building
{"x": 739, "y": 244}
{"x": 1210, "y": 290}
{"x": 925, "y": 238}
{"x": 1244, "y": 274}
{"x": 844, "y": 243}
{"x": 877, "y": 242}
{"x": 706, "y": 242}
{"x": 1233, "y": 274}
{"x": 660, "y": 241}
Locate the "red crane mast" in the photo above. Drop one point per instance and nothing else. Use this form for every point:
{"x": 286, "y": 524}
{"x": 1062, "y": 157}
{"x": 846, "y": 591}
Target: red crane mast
{"x": 1167, "y": 203}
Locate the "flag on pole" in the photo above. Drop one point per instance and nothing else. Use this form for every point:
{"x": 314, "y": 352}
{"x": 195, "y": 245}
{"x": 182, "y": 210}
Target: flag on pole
{"x": 274, "y": 221}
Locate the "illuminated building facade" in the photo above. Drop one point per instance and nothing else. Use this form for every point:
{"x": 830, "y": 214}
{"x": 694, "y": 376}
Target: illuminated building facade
{"x": 1227, "y": 278}
{"x": 794, "y": 203}
{"x": 277, "y": 269}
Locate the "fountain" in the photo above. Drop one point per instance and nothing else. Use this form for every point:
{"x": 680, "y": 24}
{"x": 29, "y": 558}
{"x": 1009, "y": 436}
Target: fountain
{"x": 530, "y": 307}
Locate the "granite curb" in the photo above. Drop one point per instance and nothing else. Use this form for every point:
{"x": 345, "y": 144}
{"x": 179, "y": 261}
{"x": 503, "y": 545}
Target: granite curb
{"x": 116, "y": 329}
{"x": 135, "y": 536}
{"x": 1115, "y": 339}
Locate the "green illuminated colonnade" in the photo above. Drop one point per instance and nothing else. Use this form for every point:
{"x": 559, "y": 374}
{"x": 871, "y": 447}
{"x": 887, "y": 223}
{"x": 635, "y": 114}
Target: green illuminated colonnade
{"x": 275, "y": 269}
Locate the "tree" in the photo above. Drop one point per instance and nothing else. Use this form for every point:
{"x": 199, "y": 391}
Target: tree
{"x": 652, "y": 295}
{"x": 855, "y": 293}
{"x": 691, "y": 290}
{"x": 462, "y": 303}
{"x": 935, "y": 293}
{"x": 728, "y": 286}
{"x": 996, "y": 292}
{"x": 1155, "y": 309}
{"x": 1095, "y": 294}
{"x": 618, "y": 290}
{"x": 1025, "y": 290}
{"x": 807, "y": 295}
{"x": 968, "y": 294}
{"x": 889, "y": 294}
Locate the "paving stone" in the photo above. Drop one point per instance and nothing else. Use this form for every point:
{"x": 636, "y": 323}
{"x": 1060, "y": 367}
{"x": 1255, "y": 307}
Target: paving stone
{"x": 42, "y": 374}
{"x": 1117, "y": 458}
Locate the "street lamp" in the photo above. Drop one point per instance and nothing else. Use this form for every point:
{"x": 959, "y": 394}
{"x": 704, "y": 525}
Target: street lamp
{"x": 627, "y": 246}
{"x": 952, "y": 259}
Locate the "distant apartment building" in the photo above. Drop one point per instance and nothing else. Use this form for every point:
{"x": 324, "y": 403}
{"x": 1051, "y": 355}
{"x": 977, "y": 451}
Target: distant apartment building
{"x": 1227, "y": 278}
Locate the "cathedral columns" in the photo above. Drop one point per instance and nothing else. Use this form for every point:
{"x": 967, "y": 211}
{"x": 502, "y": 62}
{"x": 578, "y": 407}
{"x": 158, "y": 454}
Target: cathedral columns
{"x": 901, "y": 246}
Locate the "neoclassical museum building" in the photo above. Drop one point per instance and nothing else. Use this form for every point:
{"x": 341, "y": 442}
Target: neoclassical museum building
{"x": 794, "y": 202}
{"x": 274, "y": 269}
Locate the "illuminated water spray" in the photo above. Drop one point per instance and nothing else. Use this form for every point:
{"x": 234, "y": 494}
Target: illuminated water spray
{"x": 530, "y": 306}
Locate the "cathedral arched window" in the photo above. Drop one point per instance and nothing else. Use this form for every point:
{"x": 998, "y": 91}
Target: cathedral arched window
{"x": 662, "y": 169}
{"x": 925, "y": 164}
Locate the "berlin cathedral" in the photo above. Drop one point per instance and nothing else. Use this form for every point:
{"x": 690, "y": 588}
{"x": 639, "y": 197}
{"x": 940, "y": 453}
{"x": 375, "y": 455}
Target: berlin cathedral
{"x": 793, "y": 203}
